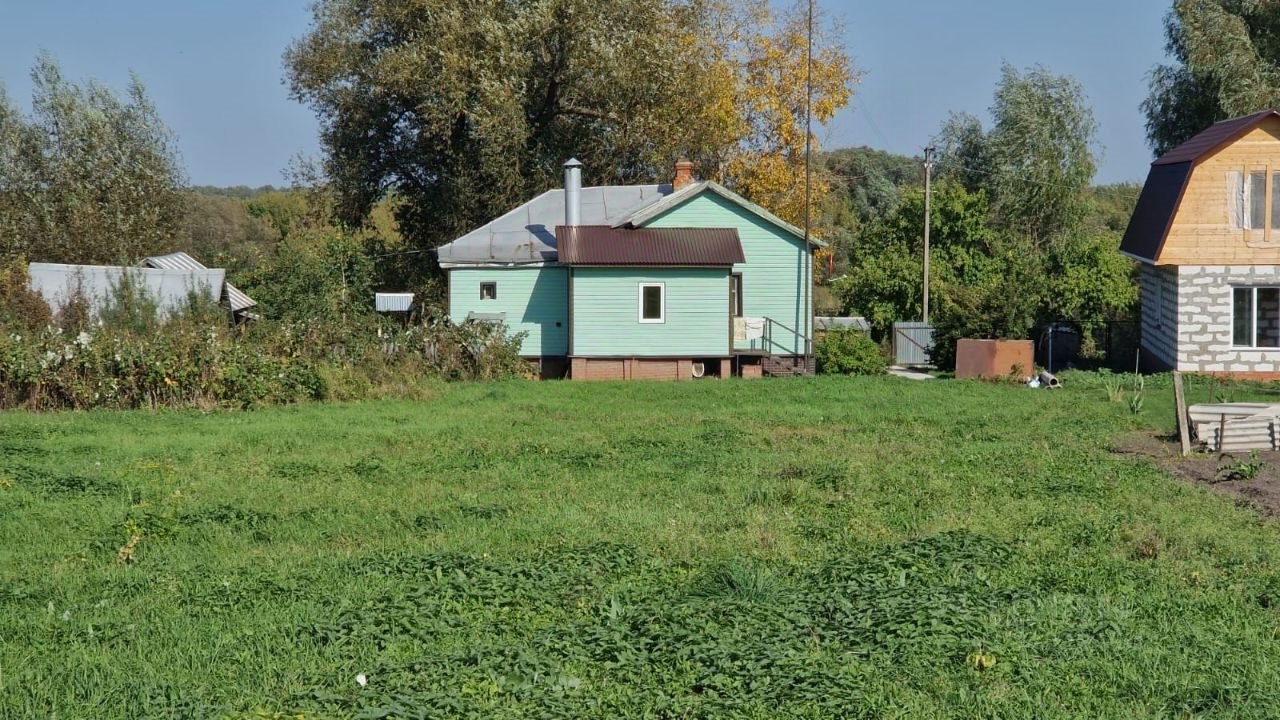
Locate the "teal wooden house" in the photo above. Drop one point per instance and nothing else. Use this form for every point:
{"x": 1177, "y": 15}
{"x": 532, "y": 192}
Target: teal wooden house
{"x": 641, "y": 281}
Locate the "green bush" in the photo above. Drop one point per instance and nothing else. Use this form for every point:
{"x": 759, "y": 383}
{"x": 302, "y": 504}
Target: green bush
{"x": 128, "y": 353}
{"x": 849, "y": 352}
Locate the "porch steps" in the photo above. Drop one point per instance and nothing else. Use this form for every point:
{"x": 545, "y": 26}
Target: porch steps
{"x": 780, "y": 366}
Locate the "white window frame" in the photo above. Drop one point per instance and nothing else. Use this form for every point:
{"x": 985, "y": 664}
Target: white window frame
{"x": 662, "y": 303}
{"x": 1253, "y": 324}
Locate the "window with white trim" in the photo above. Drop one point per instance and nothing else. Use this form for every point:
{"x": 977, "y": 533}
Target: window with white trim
{"x": 1255, "y": 317}
{"x": 653, "y": 302}
{"x": 488, "y": 291}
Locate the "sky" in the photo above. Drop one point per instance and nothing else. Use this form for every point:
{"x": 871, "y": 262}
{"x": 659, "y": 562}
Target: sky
{"x": 215, "y": 73}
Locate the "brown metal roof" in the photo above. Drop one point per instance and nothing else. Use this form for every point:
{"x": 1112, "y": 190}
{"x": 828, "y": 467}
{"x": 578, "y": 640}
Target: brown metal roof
{"x": 1167, "y": 180}
{"x": 605, "y": 245}
{"x": 1214, "y": 137}
{"x": 1158, "y": 203}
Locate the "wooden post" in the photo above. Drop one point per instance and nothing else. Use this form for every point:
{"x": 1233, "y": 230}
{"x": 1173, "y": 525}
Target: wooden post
{"x": 1180, "y": 404}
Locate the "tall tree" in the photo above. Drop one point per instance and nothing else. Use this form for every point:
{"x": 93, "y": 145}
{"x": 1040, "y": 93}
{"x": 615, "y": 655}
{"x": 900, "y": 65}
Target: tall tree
{"x": 89, "y": 176}
{"x": 766, "y": 164}
{"x": 465, "y": 109}
{"x": 1041, "y": 151}
{"x": 1037, "y": 160}
{"x": 1227, "y": 55}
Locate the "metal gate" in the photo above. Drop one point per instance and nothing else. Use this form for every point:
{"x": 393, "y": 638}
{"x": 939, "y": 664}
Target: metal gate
{"x": 911, "y": 342}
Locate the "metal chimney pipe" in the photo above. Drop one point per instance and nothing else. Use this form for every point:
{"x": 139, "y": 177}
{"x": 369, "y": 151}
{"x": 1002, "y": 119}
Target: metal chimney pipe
{"x": 572, "y": 193}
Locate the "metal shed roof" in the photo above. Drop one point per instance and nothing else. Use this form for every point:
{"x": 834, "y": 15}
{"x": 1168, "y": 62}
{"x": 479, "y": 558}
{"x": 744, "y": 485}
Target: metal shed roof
{"x": 182, "y": 261}
{"x": 526, "y": 234}
{"x": 57, "y": 283}
{"x": 604, "y": 245}
{"x": 392, "y": 302}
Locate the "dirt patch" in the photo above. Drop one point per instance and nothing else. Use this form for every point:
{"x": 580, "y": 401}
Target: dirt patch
{"x": 1261, "y": 492}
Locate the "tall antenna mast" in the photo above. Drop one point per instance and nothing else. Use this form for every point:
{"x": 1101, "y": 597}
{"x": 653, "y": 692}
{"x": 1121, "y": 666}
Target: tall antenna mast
{"x": 808, "y": 151}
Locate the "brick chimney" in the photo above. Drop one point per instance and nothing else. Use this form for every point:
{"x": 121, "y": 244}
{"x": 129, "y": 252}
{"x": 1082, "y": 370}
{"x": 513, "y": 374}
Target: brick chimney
{"x": 684, "y": 174}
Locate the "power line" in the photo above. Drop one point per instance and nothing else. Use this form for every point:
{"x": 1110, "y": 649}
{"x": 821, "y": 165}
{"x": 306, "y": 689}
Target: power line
{"x": 1109, "y": 188}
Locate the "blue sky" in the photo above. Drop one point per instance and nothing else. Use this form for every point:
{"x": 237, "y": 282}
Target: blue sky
{"x": 214, "y": 69}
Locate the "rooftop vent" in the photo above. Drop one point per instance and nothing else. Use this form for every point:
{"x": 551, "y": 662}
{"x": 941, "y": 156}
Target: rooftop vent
{"x": 572, "y": 193}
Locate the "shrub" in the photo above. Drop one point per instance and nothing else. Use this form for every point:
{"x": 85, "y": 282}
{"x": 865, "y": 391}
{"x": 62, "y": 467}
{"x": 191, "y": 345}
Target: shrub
{"x": 849, "y": 352}
{"x": 20, "y": 306}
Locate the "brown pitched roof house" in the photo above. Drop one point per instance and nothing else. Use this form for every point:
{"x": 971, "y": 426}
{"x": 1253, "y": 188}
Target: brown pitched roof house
{"x": 1206, "y": 235}
{"x": 1168, "y": 178}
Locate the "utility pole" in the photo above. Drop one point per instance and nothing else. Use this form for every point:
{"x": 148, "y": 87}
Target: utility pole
{"x": 808, "y": 149}
{"x": 928, "y": 190}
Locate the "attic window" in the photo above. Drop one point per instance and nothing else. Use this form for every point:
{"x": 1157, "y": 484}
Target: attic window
{"x": 488, "y": 291}
{"x": 1248, "y": 199}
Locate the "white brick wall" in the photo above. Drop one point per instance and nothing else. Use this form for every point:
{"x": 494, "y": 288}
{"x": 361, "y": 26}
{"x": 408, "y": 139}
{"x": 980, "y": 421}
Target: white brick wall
{"x": 1159, "y": 289}
{"x": 1203, "y": 316}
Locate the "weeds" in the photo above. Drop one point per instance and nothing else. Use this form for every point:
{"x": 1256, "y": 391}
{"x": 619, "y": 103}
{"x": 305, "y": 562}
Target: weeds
{"x": 1230, "y": 469}
{"x": 1139, "y": 394}
{"x": 1114, "y": 385}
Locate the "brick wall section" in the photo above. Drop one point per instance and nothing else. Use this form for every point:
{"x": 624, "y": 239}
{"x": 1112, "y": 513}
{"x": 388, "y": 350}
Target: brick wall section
{"x": 642, "y": 368}
{"x": 1159, "y": 289}
{"x": 1204, "y": 319}
{"x": 656, "y": 370}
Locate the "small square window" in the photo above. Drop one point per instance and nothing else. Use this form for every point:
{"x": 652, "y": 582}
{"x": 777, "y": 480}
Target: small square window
{"x": 488, "y": 291}
{"x": 653, "y": 303}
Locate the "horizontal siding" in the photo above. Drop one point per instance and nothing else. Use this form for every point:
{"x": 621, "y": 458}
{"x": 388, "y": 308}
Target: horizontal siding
{"x": 534, "y": 299}
{"x": 775, "y": 274}
{"x": 606, "y": 308}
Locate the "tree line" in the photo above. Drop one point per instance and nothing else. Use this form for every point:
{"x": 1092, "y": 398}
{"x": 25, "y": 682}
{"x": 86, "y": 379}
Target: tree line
{"x": 434, "y": 120}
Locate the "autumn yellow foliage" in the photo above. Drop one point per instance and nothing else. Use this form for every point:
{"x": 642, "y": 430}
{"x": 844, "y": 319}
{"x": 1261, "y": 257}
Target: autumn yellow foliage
{"x": 763, "y": 97}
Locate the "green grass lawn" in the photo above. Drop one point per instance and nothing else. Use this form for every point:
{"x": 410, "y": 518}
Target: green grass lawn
{"x": 798, "y": 548}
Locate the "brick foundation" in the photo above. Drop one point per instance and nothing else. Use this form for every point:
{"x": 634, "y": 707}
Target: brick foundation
{"x": 642, "y": 368}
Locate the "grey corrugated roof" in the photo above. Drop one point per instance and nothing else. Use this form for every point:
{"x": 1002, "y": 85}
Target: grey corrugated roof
{"x": 527, "y": 234}
{"x": 182, "y": 261}
{"x": 604, "y": 245}
{"x": 393, "y": 302}
{"x": 170, "y": 288}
